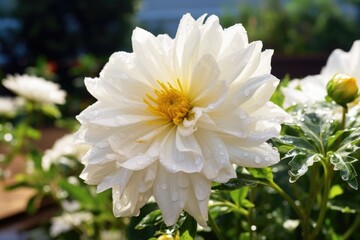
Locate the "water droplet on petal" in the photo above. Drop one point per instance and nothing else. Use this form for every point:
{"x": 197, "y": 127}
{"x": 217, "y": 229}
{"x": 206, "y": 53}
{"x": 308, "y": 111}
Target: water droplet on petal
{"x": 118, "y": 206}
{"x": 200, "y": 194}
{"x": 163, "y": 186}
{"x": 102, "y": 145}
{"x": 124, "y": 200}
{"x": 198, "y": 160}
{"x": 111, "y": 156}
{"x": 258, "y": 160}
{"x": 116, "y": 192}
{"x": 183, "y": 182}
{"x": 174, "y": 196}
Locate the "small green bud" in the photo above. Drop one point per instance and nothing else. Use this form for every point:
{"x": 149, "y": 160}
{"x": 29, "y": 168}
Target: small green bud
{"x": 342, "y": 89}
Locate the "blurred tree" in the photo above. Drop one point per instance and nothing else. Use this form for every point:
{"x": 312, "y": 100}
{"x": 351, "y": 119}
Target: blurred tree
{"x": 64, "y": 29}
{"x": 298, "y": 26}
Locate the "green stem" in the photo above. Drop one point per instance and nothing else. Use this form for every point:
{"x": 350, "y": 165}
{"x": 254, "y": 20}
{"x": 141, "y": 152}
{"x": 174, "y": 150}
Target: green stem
{"x": 232, "y": 206}
{"x": 352, "y": 228}
{"x": 291, "y": 202}
{"x": 328, "y": 172}
{"x": 215, "y": 228}
{"x": 250, "y": 215}
{"x": 299, "y": 211}
{"x": 343, "y": 120}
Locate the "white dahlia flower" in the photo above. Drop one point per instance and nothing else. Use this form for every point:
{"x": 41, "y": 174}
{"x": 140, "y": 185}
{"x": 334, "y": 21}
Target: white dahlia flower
{"x": 63, "y": 148}
{"x": 35, "y": 89}
{"x": 176, "y": 114}
{"x": 313, "y": 88}
{"x": 8, "y": 106}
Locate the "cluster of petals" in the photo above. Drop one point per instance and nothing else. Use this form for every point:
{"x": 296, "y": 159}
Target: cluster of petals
{"x": 63, "y": 149}
{"x": 35, "y": 89}
{"x": 8, "y": 106}
{"x": 313, "y": 88}
{"x": 221, "y": 84}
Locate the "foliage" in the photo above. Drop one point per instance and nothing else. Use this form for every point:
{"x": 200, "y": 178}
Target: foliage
{"x": 297, "y": 26}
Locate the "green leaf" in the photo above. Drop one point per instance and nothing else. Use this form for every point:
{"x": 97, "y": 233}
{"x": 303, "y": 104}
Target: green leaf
{"x": 51, "y": 110}
{"x": 188, "y": 228}
{"x": 238, "y": 195}
{"x": 335, "y": 190}
{"x": 243, "y": 180}
{"x": 33, "y": 204}
{"x": 300, "y": 164}
{"x": 298, "y": 142}
{"x": 152, "y": 219}
{"x": 33, "y": 133}
{"x": 78, "y": 193}
{"x": 334, "y": 141}
{"x": 347, "y": 170}
{"x": 263, "y": 173}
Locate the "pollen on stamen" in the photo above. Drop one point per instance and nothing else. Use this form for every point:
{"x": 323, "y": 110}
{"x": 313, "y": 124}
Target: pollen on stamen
{"x": 170, "y": 103}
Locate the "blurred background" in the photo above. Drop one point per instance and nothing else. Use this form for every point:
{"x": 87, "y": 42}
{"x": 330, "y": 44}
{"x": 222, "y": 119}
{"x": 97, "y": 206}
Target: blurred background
{"x": 64, "y": 40}
{"x": 67, "y": 40}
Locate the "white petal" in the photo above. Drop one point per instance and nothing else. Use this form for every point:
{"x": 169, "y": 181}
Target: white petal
{"x": 255, "y": 157}
{"x": 170, "y": 196}
{"x": 216, "y": 157}
{"x": 243, "y": 63}
{"x": 205, "y": 85}
{"x": 198, "y": 199}
{"x": 234, "y": 39}
{"x": 175, "y": 161}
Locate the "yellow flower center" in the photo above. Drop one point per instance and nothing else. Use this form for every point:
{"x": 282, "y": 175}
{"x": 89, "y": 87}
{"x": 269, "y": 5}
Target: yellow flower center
{"x": 169, "y": 102}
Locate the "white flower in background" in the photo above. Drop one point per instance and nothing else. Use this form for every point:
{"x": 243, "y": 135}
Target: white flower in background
{"x": 62, "y": 149}
{"x": 176, "y": 114}
{"x": 35, "y": 88}
{"x": 8, "y": 106}
{"x": 68, "y": 221}
{"x": 313, "y": 88}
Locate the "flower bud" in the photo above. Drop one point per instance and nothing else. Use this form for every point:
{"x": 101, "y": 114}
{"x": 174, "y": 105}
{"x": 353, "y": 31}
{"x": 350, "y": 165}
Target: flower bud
{"x": 165, "y": 237}
{"x": 342, "y": 89}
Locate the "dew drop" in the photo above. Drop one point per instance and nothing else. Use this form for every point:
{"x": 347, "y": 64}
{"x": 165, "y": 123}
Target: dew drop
{"x": 111, "y": 156}
{"x": 211, "y": 106}
{"x": 245, "y": 154}
{"x": 124, "y": 200}
{"x": 116, "y": 192}
{"x": 163, "y": 186}
{"x": 102, "y": 145}
{"x": 258, "y": 160}
{"x": 174, "y": 196}
{"x": 222, "y": 153}
{"x": 200, "y": 194}
{"x": 117, "y": 205}
{"x": 242, "y": 115}
{"x": 183, "y": 182}
{"x": 182, "y": 204}
{"x": 198, "y": 161}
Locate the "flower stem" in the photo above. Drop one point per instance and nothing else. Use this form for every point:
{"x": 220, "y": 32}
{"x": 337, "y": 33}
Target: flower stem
{"x": 328, "y": 172}
{"x": 352, "y": 228}
{"x": 291, "y": 202}
{"x": 343, "y": 120}
{"x": 215, "y": 228}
